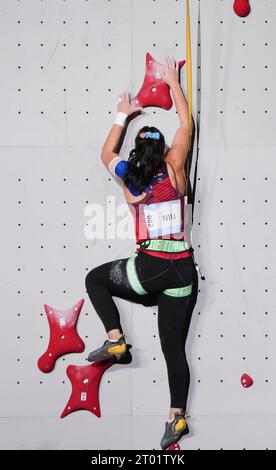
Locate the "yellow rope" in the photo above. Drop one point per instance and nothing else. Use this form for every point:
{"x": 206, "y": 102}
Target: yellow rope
{"x": 189, "y": 70}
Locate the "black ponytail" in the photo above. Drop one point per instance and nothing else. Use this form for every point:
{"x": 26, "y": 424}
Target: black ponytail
{"x": 144, "y": 159}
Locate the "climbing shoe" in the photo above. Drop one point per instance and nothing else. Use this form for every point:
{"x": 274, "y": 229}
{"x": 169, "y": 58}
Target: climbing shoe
{"x": 109, "y": 349}
{"x": 174, "y": 430}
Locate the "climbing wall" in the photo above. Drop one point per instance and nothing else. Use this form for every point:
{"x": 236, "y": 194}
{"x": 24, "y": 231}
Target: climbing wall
{"x": 234, "y": 325}
{"x": 63, "y": 65}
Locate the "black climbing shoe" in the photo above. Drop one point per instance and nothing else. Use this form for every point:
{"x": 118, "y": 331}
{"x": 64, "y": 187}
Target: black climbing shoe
{"x": 174, "y": 430}
{"x": 109, "y": 349}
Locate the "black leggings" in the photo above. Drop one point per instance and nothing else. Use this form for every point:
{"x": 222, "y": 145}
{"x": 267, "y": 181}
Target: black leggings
{"x": 174, "y": 312}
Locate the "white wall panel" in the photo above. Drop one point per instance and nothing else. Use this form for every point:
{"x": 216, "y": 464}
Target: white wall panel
{"x": 62, "y": 67}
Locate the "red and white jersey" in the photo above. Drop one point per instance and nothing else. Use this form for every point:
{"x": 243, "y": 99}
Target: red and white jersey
{"x": 160, "y": 214}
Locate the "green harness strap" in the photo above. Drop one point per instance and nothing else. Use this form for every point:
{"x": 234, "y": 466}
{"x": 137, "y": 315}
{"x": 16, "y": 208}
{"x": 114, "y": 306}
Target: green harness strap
{"x": 138, "y": 288}
{"x": 179, "y": 291}
{"x": 170, "y": 246}
{"x": 132, "y": 276}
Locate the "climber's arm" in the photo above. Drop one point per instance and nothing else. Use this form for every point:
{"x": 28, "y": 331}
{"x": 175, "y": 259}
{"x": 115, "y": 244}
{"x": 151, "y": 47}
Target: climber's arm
{"x": 112, "y": 161}
{"x": 111, "y": 143}
{"x": 109, "y": 156}
{"x": 117, "y": 168}
{"x": 180, "y": 103}
{"x": 179, "y": 150}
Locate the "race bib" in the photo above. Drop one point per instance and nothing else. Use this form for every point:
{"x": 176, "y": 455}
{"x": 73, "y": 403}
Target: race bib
{"x": 163, "y": 218}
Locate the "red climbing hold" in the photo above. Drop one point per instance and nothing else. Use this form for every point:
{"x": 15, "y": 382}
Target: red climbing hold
{"x": 174, "y": 446}
{"x": 63, "y": 335}
{"x": 241, "y": 7}
{"x": 85, "y": 381}
{"x": 246, "y": 380}
{"x": 154, "y": 91}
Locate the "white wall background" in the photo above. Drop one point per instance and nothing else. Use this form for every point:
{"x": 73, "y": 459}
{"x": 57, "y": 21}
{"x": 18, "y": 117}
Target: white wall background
{"x": 62, "y": 66}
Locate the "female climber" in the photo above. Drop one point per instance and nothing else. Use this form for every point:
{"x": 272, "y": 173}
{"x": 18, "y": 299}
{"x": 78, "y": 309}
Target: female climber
{"x": 162, "y": 272}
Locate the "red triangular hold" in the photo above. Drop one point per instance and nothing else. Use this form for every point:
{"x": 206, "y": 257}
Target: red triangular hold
{"x": 154, "y": 91}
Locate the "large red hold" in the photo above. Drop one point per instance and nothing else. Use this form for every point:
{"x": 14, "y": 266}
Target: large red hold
{"x": 63, "y": 335}
{"x": 154, "y": 91}
{"x": 85, "y": 381}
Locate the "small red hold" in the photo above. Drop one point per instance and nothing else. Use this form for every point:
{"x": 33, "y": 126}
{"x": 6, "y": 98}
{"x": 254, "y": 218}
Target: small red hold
{"x": 241, "y": 7}
{"x": 63, "y": 335}
{"x": 246, "y": 381}
{"x": 174, "y": 446}
{"x": 154, "y": 91}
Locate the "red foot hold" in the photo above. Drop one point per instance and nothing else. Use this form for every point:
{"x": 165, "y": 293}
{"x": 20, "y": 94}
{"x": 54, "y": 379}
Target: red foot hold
{"x": 241, "y": 7}
{"x": 63, "y": 335}
{"x": 154, "y": 91}
{"x": 246, "y": 380}
{"x": 85, "y": 381}
{"x": 174, "y": 446}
